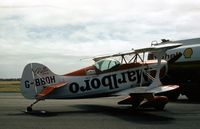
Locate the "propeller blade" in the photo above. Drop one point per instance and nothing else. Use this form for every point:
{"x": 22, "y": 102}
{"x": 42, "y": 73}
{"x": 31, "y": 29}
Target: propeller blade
{"x": 174, "y": 59}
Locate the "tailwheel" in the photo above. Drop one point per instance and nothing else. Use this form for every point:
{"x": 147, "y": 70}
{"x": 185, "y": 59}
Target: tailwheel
{"x": 29, "y": 108}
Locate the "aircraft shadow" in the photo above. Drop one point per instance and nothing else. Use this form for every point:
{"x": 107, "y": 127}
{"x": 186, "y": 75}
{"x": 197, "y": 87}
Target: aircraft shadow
{"x": 144, "y": 116}
{"x": 129, "y": 114}
{"x": 186, "y": 101}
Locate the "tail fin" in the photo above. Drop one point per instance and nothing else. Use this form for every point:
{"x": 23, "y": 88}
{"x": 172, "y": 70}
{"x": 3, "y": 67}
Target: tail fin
{"x": 35, "y": 77}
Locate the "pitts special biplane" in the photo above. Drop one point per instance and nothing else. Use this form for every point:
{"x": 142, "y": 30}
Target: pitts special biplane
{"x": 107, "y": 77}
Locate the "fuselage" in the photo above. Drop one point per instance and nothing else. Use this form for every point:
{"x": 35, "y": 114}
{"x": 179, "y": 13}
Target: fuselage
{"x": 190, "y": 55}
{"x": 105, "y": 77}
{"x": 190, "y": 58}
{"x": 90, "y": 82}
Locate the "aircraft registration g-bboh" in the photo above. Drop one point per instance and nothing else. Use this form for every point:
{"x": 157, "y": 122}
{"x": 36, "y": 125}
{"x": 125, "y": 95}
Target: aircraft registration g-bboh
{"x": 106, "y": 77}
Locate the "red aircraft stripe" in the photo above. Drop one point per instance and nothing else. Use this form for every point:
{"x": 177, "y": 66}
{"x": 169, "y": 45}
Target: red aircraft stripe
{"x": 50, "y": 88}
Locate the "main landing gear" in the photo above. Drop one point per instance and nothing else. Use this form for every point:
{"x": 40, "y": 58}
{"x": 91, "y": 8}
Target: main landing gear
{"x": 158, "y": 103}
{"x": 145, "y": 101}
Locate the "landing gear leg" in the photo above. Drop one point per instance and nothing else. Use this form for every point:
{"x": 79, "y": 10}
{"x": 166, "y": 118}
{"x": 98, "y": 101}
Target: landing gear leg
{"x": 136, "y": 101}
{"x": 29, "y": 108}
{"x": 158, "y": 103}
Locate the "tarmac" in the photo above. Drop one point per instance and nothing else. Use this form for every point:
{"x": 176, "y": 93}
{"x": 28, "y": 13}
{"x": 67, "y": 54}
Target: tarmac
{"x": 95, "y": 113}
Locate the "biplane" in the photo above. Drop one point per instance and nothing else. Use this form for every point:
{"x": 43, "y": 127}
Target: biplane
{"x": 128, "y": 73}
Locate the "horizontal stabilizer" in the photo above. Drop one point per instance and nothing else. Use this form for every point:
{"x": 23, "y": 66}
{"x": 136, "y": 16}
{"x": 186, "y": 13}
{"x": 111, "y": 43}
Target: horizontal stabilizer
{"x": 49, "y": 89}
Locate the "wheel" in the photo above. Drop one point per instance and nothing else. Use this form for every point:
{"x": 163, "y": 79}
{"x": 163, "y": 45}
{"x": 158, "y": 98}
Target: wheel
{"x": 193, "y": 97}
{"x": 29, "y": 109}
{"x": 192, "y": 91}
{"x": 160, "y": 102}
{"x": 159, "y": 107}
{"x": 171, "y": 95}
{"x": 154, "y": 104}
{"x": 136, "y": 103}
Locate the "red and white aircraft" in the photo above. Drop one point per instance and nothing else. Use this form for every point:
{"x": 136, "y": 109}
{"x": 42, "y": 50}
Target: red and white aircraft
{"x": 106, "y": 77}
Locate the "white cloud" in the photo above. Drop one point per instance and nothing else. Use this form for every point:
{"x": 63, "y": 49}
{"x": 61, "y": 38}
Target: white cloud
{"x": 59, "y": 33}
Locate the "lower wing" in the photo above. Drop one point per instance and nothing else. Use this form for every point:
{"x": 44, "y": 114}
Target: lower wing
{"x": 144, "y": 96}
{"x": 147, "y": 89}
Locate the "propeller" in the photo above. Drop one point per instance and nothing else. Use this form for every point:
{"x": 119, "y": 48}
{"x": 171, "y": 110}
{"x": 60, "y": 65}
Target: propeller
{"x": 174, "y": 59}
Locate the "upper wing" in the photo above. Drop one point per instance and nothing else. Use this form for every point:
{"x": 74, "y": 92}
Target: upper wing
{"x": 49, "y": 89}
{"x": 163, "y": 47}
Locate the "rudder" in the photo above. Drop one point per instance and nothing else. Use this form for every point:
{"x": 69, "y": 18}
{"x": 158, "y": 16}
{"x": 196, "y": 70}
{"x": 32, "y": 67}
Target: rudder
{"x": 34, "y": 78}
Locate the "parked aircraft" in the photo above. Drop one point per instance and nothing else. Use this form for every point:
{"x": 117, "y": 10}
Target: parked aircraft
{"x": 107, "y": 77}
{"x": 185, "y": 71}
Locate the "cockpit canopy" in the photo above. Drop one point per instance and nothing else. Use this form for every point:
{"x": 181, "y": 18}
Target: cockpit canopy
{"x": 106, "y": 64}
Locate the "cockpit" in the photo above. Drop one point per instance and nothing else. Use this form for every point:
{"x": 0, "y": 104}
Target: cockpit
{"x": 106, "y": 64}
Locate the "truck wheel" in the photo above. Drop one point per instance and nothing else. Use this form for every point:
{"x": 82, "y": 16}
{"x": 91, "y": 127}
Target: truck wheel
{"x": 193, "y": 97}
{"x": 191, "y": 91}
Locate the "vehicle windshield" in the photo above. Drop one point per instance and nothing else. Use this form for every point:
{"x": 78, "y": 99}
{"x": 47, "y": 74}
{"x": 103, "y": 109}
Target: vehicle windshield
{"x": 106, "y": 64}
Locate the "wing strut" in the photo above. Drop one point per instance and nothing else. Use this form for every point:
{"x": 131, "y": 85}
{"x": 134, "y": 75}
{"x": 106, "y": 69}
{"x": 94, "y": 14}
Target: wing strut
{"x": 137, "y": 95}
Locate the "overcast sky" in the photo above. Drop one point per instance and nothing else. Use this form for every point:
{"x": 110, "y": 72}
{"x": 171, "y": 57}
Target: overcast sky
{"x": 58, "y": 33}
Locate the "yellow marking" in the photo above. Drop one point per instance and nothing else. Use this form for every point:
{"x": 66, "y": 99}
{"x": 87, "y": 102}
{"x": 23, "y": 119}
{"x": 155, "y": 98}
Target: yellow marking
{"x": 188, "y": 52}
